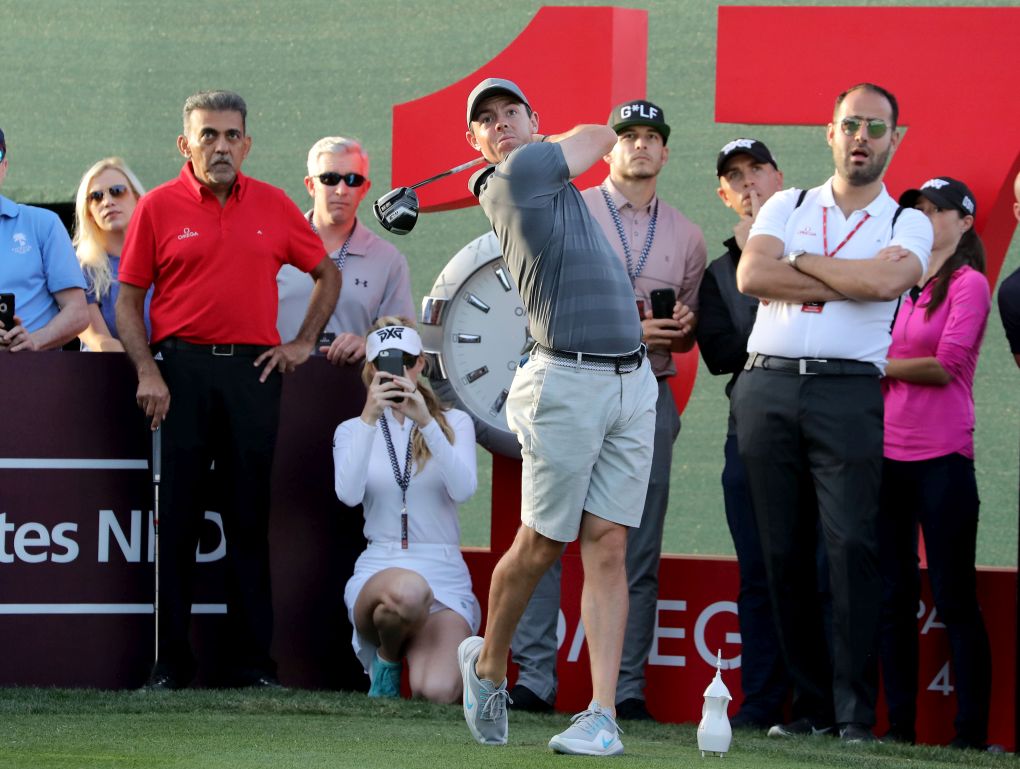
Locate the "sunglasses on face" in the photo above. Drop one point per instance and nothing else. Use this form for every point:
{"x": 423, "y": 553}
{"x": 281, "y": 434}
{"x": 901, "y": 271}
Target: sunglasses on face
{"x": 2, "y": 154}
{"x": 114, "y": 191}
{"x": 332, "y": 179}
{"x": 876, "y": 127}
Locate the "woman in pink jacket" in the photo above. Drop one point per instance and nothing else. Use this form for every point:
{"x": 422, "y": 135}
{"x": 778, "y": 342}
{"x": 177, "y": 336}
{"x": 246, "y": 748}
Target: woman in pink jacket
{"x": 928, "y": 473}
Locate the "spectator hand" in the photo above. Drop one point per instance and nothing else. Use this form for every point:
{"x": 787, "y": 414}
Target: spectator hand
{"x": 381, "y": 394}
{"x": 892, "y": 254}
{"x": 283, "y": 358}
{"x": 414, "y": 404}
{"x": 742, "y": 229}
{"x": 17, "y": 338}
{"x": 153, "y": 397}
{"x": 345, "y": 349}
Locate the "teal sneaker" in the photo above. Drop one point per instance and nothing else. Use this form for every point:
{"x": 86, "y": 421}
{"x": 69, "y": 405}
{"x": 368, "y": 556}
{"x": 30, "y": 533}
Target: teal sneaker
{"x": 385, "y": 678}
{"x": 484, "y": 702}
{"x": 593, "y": 733}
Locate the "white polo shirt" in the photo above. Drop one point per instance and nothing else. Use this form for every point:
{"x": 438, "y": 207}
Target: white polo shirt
{"x": 847, "y": 329}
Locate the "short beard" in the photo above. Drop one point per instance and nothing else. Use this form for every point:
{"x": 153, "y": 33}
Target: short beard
{"x": 865, "y": 175}
{"x": 638, "y": 175}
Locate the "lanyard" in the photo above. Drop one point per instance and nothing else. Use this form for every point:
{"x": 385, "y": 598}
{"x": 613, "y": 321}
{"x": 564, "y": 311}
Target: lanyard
{"x": 403, "y": 479}
{"x": 341, "y": 258}
{"x": 615, "y": 213}
{"x": 825, "y": 231}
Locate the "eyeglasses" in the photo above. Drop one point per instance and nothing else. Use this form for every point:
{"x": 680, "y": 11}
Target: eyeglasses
{"x": 114, "y": 191}
{"x": 409, "y": 360}
{"x": 2, "y": 154}
{"x": 876, "y": 127}
{"x": 332, "y": 179}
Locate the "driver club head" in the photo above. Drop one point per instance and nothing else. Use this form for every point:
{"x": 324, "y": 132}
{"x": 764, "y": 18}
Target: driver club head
{"x": 397, "y": 210}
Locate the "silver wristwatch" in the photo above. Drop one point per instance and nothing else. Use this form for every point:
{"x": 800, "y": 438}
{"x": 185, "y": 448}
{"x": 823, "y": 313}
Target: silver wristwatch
{"x": 793, "y": 256}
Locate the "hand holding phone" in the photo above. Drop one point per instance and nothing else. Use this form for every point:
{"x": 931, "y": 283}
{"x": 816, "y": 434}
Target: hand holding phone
{"x": 7, "y": 311}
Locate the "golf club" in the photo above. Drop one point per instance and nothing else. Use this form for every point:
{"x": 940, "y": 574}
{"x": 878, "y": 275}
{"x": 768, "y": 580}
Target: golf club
{"x": 157, "y": 462}
{"x": 397, "y": 210}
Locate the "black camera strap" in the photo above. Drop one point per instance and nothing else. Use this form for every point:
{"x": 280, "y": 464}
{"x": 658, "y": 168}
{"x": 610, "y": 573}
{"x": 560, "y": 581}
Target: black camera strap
{"x": 403, "y": 479}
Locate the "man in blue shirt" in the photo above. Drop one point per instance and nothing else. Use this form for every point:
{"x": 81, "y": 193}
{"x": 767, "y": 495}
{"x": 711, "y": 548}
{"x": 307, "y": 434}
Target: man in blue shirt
{"x": 38, "y": 266}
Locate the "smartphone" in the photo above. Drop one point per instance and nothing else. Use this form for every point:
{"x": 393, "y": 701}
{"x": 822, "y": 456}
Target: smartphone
{"x": 391, "y": 361}
{"x": 326, "y": 338}
{"x": 7, "y": 311}
{"x": 663, "y": 300}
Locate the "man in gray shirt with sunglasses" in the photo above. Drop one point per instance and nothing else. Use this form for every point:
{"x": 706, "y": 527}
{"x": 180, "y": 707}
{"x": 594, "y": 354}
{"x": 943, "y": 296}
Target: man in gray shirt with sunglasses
{"x": 376, "y": 278}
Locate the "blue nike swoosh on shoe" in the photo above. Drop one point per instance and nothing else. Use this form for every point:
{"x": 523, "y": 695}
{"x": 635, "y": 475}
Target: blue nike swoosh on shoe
{"x": 606, "y": 743}
{"x": 467, "y": 700}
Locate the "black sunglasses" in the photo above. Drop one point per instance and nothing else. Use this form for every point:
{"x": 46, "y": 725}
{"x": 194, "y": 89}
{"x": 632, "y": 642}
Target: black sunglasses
{"x": 332, "y": 179}
{"x": 875, "y": 126}
{"x": 115, "y": 191}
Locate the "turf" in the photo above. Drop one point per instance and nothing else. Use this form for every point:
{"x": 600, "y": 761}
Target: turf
{"x": 59, "y": 729}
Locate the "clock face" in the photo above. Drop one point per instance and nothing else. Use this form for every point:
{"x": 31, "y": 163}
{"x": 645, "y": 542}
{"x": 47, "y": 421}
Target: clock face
{"x": 475, "y": 330}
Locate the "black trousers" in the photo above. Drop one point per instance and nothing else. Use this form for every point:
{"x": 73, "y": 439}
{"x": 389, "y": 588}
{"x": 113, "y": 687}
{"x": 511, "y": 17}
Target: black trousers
{"x": 940, "y": 494}
{"x": 219, "y": 412}
{"x": 822, "y": 433}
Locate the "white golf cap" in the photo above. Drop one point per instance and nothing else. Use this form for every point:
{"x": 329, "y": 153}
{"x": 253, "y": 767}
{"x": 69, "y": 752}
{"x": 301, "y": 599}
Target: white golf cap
{"x": 403, "y": 338}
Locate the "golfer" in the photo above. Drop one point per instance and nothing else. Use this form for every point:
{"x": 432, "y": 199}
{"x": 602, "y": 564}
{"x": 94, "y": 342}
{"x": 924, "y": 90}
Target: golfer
{"x": 582, "y": 406}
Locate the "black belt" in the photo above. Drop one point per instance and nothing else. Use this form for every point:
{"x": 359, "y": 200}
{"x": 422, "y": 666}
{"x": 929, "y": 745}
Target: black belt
{"x": 219, "y": 350}
{"x": 811, "y": 366}
{"x": 619, "y": 364}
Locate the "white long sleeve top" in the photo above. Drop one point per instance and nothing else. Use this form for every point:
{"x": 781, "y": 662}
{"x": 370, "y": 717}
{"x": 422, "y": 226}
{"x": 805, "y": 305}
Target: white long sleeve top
{"x": 363, "y": 474}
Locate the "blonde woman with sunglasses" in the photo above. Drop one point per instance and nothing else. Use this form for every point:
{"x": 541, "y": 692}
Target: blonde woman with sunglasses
{"x": 103, "y": 207}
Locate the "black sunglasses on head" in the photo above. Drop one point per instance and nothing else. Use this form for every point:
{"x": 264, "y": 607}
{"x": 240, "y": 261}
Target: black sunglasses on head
{"x": 115, "y": 191}
{"x": 332, "y": 179}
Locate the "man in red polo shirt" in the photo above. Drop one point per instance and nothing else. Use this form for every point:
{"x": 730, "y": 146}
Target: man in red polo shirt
{"x": 211, "y": 242}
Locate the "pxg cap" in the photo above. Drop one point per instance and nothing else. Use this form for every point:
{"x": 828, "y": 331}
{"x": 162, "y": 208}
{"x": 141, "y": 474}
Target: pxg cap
{"x": 639, "y": 112}
{"x": 492, "y": 86}
{"x": 944, "y": 192}
{"x": 752, "y": 147}
{"x": 403, "y": 338}
{"x": 3, "y": 145}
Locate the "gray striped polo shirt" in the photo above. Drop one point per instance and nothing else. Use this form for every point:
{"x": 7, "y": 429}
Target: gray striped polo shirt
{"x": 575, "y": 288}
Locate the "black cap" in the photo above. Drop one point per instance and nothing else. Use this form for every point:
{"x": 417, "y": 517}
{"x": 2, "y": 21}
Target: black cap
{"x": 945, "y": 192}
{"x": 490, "y": 87}
{"x": 639, "y": 112}
{"x": 752, "y": 147}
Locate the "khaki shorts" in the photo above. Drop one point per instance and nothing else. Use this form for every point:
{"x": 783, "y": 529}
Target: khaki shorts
{"x": 586, "y": 443}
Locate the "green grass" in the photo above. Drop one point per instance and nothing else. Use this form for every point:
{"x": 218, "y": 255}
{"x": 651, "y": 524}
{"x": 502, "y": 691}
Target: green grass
{"x": 59, "y": 729}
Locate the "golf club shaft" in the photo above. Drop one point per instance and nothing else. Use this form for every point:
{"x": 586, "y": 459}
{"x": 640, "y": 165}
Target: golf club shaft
{"x": 454, "y": 170}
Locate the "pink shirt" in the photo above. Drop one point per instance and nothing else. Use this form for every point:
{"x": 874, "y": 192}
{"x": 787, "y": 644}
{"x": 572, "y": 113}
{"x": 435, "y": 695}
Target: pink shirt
{"x": 927, "y": 421}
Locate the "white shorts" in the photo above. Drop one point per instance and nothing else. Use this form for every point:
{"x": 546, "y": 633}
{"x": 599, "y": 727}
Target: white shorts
{"x": 586, "y": 443}
{"x": 441, "y": 566}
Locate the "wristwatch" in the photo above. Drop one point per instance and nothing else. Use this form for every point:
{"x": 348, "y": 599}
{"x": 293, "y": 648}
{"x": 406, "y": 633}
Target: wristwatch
{"x": 793, "y": 256}
{"x": 474, "y": 330}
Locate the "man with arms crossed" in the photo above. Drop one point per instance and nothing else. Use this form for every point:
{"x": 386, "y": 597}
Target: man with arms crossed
{"x": 829, "y": 273}
{"x": 377, "y": 281}
{"x": 38, "y": 266}
{"x": 748, "y": 176}
{"x": 212, "y": 241}
{"x": 661, "y": 249}
{"x": 582, "y": 406}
